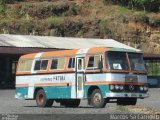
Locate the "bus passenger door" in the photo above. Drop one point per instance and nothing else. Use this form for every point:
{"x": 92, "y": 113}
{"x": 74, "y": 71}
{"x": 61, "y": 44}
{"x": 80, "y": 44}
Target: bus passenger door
{"x": 80, "y": 77}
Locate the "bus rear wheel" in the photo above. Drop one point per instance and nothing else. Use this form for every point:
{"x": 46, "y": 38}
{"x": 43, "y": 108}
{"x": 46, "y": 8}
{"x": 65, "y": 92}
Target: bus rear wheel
{"x": 72, "y": 103}
{"x": 126, "y": 101}
{"x": 97, "y": 99}
{"x": 41, "y": 99}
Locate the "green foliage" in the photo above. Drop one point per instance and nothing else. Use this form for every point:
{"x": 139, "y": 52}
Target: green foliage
{"x": 155, "y": 22}
{"x": 2, "y": 9}
{"x": 75, "y": 9}
{"x": 53, "y": 21}
{"x": 141, "y": 17}
{"x": 149, "y": 5}
{"x": 41, "y": 10}
{"x": 2, "y": 6}
{"x": 153, "y": 68}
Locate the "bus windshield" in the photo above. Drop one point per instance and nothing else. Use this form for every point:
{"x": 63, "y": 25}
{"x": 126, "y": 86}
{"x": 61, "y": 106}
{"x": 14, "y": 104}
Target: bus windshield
{"x": 117, "y": 61}
{"x": 136, "y": 61}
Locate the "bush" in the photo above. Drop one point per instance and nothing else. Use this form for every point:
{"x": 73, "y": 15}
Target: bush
{"x": 43, "y": 10}
{"x": 141, "y": 17}
{"x": 2, "y": 6}
{"x": 155, "y": 22}
{"x": 53, "y": 21}
{"x": 2, "y": 9}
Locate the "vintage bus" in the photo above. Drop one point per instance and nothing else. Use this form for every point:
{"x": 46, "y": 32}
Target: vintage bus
{"x": 98, "y": 74}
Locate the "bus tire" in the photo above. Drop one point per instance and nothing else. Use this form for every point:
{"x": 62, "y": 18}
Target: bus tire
{"x": 41, "y": 99}
{"x": 71, "y": 103}
{"x": 126, "y": 101}
{"x": 97, "y": 99}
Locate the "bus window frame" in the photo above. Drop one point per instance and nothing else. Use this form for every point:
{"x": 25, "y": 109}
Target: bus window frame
{"x": 94, "y": 68}
{"x": 57, "y": 58}
{"x": 68, "y": 63}
{"x": 40, "y": 64}
{"x": 24, "y": 65}
{"x": 111, "y": 70}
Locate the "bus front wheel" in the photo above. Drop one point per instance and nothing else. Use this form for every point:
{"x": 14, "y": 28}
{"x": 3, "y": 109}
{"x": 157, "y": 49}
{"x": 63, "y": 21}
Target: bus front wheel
{"x": 126, "y": 101}
{"x": 97, "y": 99}
{"x": 41, "y": 99}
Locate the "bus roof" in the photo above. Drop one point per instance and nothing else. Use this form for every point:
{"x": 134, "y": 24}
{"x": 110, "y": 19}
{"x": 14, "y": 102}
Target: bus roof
{"x": 73, "y": 52}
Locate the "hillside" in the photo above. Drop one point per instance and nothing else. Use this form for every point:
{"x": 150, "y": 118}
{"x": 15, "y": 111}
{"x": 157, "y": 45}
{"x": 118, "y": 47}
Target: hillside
{"x": 83, "y": 18}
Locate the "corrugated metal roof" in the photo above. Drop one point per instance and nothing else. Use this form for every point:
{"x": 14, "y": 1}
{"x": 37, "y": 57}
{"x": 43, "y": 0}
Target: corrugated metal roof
{"x": 57, "y": 42}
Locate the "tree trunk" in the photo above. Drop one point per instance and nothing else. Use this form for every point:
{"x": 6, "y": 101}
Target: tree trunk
{"x": 144, "y": 9}
{"x": 132, "y": 4}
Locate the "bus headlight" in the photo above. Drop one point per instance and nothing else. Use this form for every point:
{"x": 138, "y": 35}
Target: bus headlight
{"x": 121, "y": 87}
{"x": 111, "y": 87}
{"x": 145, "y": 88}
{"x": 116, "y": 87}
{"x": 141, "y": 88}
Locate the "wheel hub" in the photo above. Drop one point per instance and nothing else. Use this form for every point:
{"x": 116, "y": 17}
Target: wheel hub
{"x": 41, "y": 99}
{"x": 97, "y": 98}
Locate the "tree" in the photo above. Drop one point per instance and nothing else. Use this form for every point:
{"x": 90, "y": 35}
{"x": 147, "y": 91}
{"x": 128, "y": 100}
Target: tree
{"x": 150, "y": 5}
{"x": 146, "y": 5}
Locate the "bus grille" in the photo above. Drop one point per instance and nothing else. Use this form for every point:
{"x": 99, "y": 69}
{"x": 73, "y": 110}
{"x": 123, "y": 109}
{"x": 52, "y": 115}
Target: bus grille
{"x": 131, "y": 88}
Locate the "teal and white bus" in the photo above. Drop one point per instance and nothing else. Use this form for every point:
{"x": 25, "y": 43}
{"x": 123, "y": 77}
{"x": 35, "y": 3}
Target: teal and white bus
{"x": 97, "y": 74}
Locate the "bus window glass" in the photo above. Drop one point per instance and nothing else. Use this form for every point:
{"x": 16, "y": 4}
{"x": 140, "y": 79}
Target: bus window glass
{"x": 21, "y": 66}
{"x": 97, "y": 61}
{"x": 25, "y": 65}
{"x": 80, "y": 66}
{"x": 94, "y": 62}
{"x": 28, "y": 65}
{"x": 91, "y": 61}
{"x": 54, "y": 64}
{"x": 58, "y": 63}
{"x": 44, "y": 64}
{"x": 37, "y": 65}
{"x": 61, "y": 62}
{"x": 136, "y": 61}
{"x": 71, "y": 63}
{"x": 117, "y": 61}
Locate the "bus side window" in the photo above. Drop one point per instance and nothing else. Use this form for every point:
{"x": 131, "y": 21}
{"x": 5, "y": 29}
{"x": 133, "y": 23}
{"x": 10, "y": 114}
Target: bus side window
{"x": 91, "y": 61}
{"x": 21, "y": 65}
{"x": 25, "y": 65}
{"x": 37, "y": 65}
{"x": 58, "y": 63}
{"x": 44, "y": 64}
{"x": 80, "y": 67}
{"x": 54, "y": 64}
{"x": 71, "y": 63}
{"x": 95, "y": 62}
{"x": 41, "y": 65}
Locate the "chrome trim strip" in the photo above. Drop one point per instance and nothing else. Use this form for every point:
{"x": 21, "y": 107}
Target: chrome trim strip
{"x": 137, "y": 95}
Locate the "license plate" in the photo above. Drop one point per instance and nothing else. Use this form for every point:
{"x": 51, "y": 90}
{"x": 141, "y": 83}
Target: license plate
{"x": 129, "y": 78}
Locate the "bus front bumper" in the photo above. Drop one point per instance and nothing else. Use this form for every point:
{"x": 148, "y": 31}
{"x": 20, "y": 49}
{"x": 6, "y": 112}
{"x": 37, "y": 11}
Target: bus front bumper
{"x": 135, "y": 95}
